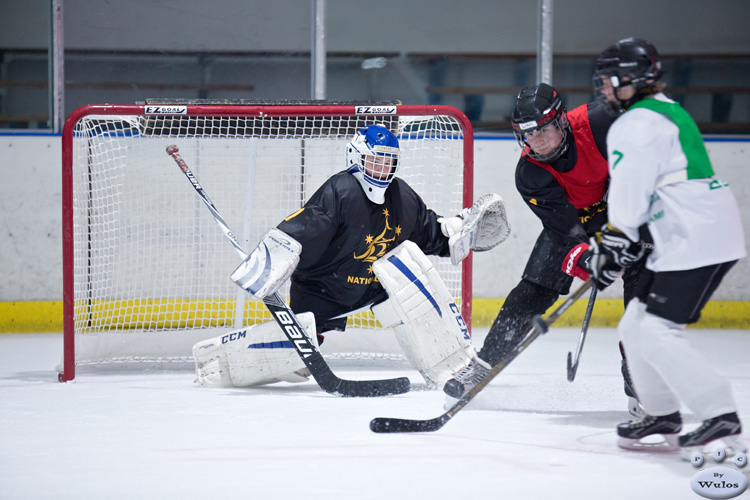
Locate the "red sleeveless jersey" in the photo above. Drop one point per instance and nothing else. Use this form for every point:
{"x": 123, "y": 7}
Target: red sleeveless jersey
{"x": 586, "y": 183}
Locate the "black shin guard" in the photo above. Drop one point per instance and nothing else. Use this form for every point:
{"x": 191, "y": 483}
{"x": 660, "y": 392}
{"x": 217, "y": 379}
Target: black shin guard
{"x": 515, "y": 318}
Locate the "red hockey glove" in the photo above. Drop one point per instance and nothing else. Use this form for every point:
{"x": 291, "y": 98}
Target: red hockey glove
{"x": 573, "y": 266}
{"x": 587, "y": 259}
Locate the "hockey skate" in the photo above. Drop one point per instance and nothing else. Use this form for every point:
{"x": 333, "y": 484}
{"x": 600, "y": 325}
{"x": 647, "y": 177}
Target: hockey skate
{"x": 466, "y": 378}
{"x": 718, "y": 432}
{"x": 632, "y": 434}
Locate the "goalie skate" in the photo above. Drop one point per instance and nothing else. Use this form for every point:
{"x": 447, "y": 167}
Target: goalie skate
{"x": 644, "y": 434}
{"x": 466, "y": 378}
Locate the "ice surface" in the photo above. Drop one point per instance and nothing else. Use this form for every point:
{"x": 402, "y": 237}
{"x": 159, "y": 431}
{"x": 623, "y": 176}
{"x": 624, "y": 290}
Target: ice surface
{"x": 530, "y": 435}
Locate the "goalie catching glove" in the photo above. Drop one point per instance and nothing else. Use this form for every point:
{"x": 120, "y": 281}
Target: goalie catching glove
{"x": 481, "y": 227}
{"x": 267, "y": 267}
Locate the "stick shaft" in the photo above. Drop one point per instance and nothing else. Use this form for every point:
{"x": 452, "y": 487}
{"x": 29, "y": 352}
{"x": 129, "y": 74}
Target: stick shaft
{"x": 573, "y": 363}
{"x": 392, "y": 425}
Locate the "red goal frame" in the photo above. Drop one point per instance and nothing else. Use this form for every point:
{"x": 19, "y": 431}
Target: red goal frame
{"x": 234, "y": 110}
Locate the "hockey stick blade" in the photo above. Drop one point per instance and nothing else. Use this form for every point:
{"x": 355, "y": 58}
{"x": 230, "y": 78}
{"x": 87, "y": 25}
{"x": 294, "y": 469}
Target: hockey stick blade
{"x": 287, "y": 321}
{"x": 384, "y": 425}
{"x": 571, "y": 368}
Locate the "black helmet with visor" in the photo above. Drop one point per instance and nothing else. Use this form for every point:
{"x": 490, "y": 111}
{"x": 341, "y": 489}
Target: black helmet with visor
{"x": 539, "y": 109}
{"x": 630, "y": 62}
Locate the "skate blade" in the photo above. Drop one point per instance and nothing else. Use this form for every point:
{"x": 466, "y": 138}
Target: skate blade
{"x": 732, "y": 445}
{"x": 652, "y": 443}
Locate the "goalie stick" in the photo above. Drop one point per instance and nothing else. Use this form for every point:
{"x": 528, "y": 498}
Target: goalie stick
{"x": 540, "y": 327}
{"x": 308, "y": 352}
{"x": 573, "y": 365}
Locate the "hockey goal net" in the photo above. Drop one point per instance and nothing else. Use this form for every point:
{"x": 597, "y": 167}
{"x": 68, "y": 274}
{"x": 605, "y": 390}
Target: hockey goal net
{"x": 146, "y": 270}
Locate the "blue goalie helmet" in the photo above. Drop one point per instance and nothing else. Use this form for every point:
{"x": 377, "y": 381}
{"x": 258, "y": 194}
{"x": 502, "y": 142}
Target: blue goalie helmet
{"x": 372, "y": 158}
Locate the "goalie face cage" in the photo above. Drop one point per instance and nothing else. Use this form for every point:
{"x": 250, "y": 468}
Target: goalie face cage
{"x": 146, "y": 270}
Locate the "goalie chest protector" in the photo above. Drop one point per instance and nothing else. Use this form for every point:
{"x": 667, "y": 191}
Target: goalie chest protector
{"x": 586, "y": 183}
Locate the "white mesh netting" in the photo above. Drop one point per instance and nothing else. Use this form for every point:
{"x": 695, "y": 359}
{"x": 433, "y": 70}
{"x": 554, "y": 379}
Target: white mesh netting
{"x": 151, "y": 269}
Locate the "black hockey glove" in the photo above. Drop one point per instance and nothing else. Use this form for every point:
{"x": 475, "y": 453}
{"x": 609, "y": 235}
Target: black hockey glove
{"x": 619, "y": 248}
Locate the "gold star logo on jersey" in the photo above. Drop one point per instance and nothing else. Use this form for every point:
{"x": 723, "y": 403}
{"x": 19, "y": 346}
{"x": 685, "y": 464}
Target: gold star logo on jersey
{"x": 378, "y": 246}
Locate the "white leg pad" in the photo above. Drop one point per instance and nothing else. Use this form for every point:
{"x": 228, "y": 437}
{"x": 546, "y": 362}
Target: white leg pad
{"x": 256, "y": 355}
{"x": 428, "y": 324}
{"x": 211, "y": 363}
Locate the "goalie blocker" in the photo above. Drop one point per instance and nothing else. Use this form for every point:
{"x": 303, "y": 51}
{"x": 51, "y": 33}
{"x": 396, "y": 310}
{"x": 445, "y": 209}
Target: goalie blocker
{"x": 267, "y": 267}
{"x": 428, "y": 324}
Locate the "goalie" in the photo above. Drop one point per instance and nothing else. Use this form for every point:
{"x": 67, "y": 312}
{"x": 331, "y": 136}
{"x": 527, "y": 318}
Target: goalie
{"x": 359, "y": 241}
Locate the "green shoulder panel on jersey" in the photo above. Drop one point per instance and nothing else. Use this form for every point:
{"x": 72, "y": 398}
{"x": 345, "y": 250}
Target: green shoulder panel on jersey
{"x": 699, "y": 165}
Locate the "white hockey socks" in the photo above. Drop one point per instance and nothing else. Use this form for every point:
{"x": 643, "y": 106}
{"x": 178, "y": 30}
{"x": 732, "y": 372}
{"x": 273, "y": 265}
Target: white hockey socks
{"x": 428, "y": 324}
{"x": 667, "y": 370}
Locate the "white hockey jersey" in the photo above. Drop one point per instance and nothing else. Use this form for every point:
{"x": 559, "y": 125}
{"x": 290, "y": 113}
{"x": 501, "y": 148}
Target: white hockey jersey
{"x": 661, "y": 176}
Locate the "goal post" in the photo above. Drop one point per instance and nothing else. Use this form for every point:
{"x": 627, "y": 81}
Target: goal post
{"x": 145, "y": 270}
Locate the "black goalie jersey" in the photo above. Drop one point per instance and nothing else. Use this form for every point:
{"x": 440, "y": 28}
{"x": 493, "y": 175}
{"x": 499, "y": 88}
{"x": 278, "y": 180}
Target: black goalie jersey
{"x": 342, "y": 233}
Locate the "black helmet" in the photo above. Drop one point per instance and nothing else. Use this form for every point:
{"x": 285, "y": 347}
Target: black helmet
{"x": 536, "y": 108}
{"x": 630, "y": 61}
